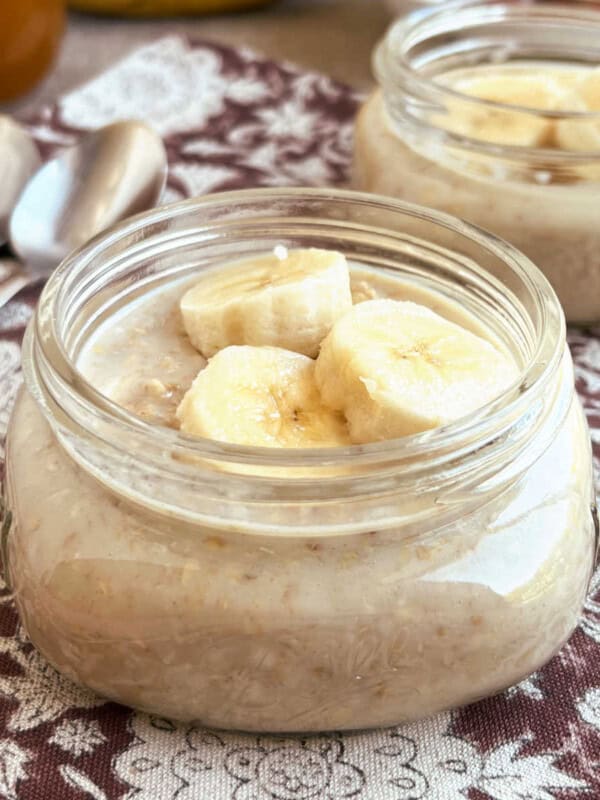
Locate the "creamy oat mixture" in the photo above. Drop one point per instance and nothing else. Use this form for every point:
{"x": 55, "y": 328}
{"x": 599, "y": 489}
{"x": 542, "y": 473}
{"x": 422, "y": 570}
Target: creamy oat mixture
{"x": 285, "y": 634}
{"x": 549, "y": 215}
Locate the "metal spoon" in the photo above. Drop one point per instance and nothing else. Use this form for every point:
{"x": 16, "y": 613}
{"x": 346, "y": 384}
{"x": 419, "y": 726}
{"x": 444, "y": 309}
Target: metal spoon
{"x": 19, "y": 159}
{"x": 110, "y": 174}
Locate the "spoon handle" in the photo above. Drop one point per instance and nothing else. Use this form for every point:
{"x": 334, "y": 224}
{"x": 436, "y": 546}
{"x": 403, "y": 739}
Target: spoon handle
{"x": 13, "y": 277}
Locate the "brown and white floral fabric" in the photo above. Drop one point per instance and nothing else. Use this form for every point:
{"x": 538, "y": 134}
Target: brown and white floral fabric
{"x": 230, "y": 120}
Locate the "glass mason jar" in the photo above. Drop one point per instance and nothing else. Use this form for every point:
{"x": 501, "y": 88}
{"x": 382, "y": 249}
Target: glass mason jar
{"x": 408, "y": 145}
{"x": 296, "y": 590}
{"x": 399, "y": 7}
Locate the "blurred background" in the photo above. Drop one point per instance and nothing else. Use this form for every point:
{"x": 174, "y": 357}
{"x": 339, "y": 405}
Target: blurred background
{"x": 69, "y": 45}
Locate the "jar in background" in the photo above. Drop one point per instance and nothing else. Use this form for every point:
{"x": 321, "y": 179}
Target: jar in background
{"x": 296, "y": 590}
{"x": 400, "y": 7}
{"x": 544, "y": 201}
{"x": 30, "y": 33}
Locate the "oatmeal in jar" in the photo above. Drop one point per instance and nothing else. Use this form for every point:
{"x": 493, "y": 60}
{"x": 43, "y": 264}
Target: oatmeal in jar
{"x": 146, "y": 361}
{"x": 391, "y": 519}
{"x": 496, "y": 121}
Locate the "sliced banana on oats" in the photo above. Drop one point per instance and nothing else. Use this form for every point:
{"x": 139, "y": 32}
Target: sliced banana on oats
{"x": 395, "y": 368}
{"x": 261, "y": 396}
{"x": 506, "y": 125}
{"x": 287, "y": 300}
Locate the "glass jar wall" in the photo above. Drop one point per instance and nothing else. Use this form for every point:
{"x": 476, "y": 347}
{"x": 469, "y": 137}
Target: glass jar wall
{"x": 279, "y": 590}
{"x": 412, "y": 143}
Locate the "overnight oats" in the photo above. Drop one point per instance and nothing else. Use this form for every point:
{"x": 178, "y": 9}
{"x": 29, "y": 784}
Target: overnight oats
{"x": 296, "y": 468}
{"x": 491, "y": 112}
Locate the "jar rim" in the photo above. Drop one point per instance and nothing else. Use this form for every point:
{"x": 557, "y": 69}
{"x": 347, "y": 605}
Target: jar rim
{"x": 61, "y": 375}
{"x": 397, "y": 75}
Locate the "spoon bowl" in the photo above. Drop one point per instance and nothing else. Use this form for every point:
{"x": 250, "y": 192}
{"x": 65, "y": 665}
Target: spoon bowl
{"x": 19, "y": 159}
{"x": 110, "y": 174}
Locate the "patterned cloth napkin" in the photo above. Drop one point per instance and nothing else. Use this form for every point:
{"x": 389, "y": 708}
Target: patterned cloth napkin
{"x": 231, "y": 119}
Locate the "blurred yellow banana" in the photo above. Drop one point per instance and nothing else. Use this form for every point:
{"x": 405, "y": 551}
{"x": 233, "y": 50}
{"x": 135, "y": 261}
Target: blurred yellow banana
{"x": 150, "y": 8}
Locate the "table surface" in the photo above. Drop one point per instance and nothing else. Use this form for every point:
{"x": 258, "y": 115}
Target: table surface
{"x": 332, "y": 36}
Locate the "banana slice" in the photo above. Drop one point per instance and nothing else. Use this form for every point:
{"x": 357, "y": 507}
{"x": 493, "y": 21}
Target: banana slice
{"x": 287, "y": 300}
{"x": 262, "y": 396}
{"x": 504, "y": 125}
{"x": 588, "y": 89}
{"x": 396, "y": 368}
{"x": 583, "y": 135}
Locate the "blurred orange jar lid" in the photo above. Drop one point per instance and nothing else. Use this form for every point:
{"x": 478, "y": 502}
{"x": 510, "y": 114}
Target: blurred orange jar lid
{"x": 30, "y": 32}
{"x": 141, "y": 8}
